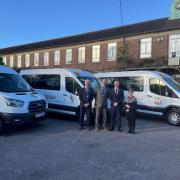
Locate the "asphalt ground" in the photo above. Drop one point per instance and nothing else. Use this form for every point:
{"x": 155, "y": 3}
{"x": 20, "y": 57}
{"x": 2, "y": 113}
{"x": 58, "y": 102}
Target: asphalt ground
{"x": 55, "y": 149}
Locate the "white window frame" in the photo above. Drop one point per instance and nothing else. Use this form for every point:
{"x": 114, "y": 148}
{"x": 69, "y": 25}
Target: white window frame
{"x": 96, "y": 50}
{"x": 57, "y": 57}
{"x": 5, "y": 60}
{"x": 112, "y": 51}
{"x": 19, "y": 61}
{"x": 68, "y": 56}
{"x": 81, "y": 55}
{"x": 36, "y": 59}
{"x": 174, "y": 45}
{"x": 11, "y": 61}
{"x": 27, "y": 60}
{"x": 146, "y": 48}
{"x": 46, "y": 58}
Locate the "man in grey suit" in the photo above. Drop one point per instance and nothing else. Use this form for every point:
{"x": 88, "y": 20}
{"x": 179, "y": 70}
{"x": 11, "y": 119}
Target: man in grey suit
{"x": 101, "y": 96}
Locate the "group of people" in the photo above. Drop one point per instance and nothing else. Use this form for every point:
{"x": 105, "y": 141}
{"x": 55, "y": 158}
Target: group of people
{"x": 117, "y": 101}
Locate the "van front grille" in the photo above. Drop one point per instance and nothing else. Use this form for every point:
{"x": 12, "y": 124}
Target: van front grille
{"x": 37, "y": 106}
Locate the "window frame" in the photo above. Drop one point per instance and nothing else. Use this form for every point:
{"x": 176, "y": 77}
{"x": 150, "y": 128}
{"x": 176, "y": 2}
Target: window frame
{"x": 69, "y": 56}
{"x": 19, "y": 61}
{"x": 56, "y": 63}
{"x": 81, "y": 55}
{"x": 110, "y": 48}
{"x": 27, "y": 60}
{"x": 146, "y": 41}
{"x": 46, "y": 58}
{"x": 96, "y": 53}
{"x": 36, "y": 61}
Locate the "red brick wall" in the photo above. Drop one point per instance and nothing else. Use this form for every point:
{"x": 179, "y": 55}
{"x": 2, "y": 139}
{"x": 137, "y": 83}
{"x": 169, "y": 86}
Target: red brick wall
{"x": 159, "y": 56}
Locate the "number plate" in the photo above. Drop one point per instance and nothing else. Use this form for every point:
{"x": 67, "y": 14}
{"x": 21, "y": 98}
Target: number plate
{"x": 40, "y": 114}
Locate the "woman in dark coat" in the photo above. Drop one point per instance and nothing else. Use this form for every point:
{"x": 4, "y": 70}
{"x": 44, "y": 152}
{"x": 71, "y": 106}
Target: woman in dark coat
{"x": 130, "y": 107}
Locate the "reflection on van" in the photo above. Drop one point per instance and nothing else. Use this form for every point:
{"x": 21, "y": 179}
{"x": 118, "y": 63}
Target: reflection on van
{"x": 157, "y": 93}
{"x": 60, "y": 87}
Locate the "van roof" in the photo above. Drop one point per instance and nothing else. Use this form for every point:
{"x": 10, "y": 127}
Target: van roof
{"x": 56, "y": 70}
{"x": 132, "y": 73}
{"x": 7, "y": 70}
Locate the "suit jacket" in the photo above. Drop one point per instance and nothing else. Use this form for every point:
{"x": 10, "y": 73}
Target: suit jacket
{"x": 119, "y": 97}
{"x": 101, "y": 96}
{"x": 86, "y": 96}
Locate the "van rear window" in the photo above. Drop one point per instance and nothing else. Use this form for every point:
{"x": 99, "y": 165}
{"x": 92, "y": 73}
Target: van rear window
{"x": 47, "y": 82}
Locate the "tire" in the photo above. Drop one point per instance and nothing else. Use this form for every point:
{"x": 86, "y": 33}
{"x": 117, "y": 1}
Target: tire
{"x": 1, "y": 126}
{"x": 173, "y": 117}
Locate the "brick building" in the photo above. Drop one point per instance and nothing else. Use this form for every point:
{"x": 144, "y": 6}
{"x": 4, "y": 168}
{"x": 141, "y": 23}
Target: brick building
{"x": 147, "y": 45}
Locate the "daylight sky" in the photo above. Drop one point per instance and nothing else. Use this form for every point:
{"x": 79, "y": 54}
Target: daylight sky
{"x": 25, "y": 21}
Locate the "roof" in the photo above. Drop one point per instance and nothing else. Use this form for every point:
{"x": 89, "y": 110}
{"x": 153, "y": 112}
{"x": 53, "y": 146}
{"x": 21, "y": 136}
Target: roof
{"x": 158, "y": 25}
{"x": 131, "y": 73}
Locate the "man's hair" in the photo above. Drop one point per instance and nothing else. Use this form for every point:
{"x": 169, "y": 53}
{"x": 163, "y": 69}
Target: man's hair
{"x": 131, "y": 89}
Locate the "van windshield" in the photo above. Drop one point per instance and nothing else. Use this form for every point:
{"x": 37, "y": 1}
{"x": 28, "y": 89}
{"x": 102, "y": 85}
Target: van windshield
{"x": 173, "y": 83}
{"x": 13, "y": 83}
{"x": 92, "y": 80}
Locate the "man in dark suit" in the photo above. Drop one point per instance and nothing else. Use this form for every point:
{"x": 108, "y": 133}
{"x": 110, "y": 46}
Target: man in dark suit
{"x": 86, "y": 97}
{"x": 101, "y": 96}
{"x": 116, "y": 98}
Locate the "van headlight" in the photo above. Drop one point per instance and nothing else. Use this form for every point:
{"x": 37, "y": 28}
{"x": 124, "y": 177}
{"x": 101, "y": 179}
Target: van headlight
{"x": 14, "y": 102}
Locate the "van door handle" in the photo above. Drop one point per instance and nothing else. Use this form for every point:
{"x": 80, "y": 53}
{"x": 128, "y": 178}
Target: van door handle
{"x": 64, "y": 94}
{"x": 149, "y": 95}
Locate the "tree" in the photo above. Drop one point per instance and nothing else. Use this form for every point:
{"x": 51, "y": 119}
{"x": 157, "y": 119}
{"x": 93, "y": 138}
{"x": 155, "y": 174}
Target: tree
{"x": 123, "y": 54}
{"x": 1, "y": 61}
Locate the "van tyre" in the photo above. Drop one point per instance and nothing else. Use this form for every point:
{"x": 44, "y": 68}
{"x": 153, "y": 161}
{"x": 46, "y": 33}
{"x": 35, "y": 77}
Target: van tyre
{"x": 1, "y": 126}
{"x": 173, "y": 117}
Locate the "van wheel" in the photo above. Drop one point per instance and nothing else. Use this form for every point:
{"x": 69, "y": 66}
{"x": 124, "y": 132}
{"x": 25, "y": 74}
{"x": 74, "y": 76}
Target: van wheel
{"x": 1, "y": 126}
{"x": 173, "y": 117}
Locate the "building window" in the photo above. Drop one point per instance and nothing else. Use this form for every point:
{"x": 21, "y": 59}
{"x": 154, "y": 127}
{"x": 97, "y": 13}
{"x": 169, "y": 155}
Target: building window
{"x": 36, "y": 59}
{"x": 27, "y": 60}
{"x": 174, "y": 50}
{"x": 46, "y": 59}
{"x": 81, "y": 54}
{"x": 146, "y": 48}
{"x": 19, "y": 61}
{"x": 68, "y": 56}
{"x": 112, "y": 48}
{"x": 174, "y": 46}
{"x": 5, "y": 60}
{"x": 11, "y": 64}
{"x": 57, "y": 58}
{"x": 96, "y": 53}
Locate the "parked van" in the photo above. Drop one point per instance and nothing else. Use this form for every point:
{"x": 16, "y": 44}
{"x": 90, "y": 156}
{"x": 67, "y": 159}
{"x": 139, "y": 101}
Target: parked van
{"x": 60, "y": 87}
{"x": 19, "y": 103}
{"x": 157, "y": 93}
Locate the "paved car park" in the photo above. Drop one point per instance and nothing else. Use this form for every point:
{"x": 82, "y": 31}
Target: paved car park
{"x": 56, "y": 149}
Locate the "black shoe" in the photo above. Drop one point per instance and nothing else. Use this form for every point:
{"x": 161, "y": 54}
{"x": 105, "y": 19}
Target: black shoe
{"x": 129, "y": 132}
{"x": 120, "y": 130}
{"x": 111, "y": 129}
{"x": 89, "y": 128}
{"x": 81, "y": 128}
{"x": 97, "y": 129}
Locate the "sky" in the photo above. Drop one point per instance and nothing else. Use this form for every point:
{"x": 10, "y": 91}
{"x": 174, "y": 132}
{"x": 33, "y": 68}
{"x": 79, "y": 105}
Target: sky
{"x": 26, "y": 21}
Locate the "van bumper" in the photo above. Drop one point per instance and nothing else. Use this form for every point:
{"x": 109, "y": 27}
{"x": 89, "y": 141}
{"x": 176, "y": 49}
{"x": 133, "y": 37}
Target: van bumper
{"x": 20, "y": 119}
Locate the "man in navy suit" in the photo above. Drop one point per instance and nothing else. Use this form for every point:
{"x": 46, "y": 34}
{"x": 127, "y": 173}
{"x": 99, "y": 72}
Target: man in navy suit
{"x": 86, "y": 98}
{"x": 116, "y": 98}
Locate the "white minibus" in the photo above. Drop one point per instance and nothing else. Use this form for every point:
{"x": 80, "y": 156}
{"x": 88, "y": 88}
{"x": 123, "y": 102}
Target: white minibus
{"x": 60, "y": 87}
{"x": 157, "y": 93}
{"x": 19, "y": 103}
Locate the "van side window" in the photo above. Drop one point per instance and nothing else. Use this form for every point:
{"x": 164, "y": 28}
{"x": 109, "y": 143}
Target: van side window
{"x": 158, "y": 87}
{"x": 72, "y": 86}
{"x": 48, "y": 82}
